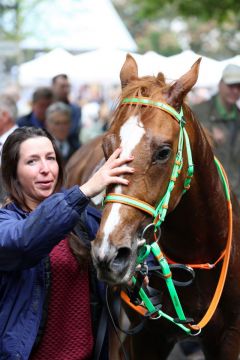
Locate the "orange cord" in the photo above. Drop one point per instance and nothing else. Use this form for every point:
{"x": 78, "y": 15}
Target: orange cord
{"x": 215, "y": 300}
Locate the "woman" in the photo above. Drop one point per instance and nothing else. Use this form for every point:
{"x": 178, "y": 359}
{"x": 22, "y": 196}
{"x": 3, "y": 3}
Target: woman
{"x": 45, "y": 312}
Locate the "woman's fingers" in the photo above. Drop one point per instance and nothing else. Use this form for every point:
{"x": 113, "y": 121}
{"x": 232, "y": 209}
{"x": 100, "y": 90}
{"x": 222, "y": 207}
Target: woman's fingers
{"x": 121, "y": 161}
{"x": 121, "y": 170}
{"x": 115, "y": 161}
{"x": 118, "y": 180}
{"x": 110, "y": 173}
{"x": 115, "y": 154}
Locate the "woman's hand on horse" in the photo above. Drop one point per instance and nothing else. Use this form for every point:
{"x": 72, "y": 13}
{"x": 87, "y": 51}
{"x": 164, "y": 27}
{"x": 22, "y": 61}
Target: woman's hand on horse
{"x": 109, "y": 173}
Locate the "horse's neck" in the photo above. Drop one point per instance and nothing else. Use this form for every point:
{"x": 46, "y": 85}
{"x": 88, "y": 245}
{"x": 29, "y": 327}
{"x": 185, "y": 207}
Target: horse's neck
{"x": 199, "y": 224}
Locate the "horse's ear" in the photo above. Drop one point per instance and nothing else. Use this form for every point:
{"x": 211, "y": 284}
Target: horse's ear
{"x": 183, "y": 85}
{"x": 129, "y": 70}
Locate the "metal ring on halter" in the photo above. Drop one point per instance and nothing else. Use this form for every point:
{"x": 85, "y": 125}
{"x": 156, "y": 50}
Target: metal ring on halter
{"x": 186, "y": 268}
{"x": 155, "y": 318}
{"x": 149, "y": 226}
{"x": 197, "y": 333}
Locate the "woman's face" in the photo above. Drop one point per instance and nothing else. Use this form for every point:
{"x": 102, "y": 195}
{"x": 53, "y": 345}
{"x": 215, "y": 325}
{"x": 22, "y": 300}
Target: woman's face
{"x": 37, "y": 170}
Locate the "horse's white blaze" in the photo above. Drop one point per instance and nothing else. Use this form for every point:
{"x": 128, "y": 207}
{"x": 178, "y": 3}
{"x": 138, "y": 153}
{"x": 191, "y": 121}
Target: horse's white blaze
{"x": 131, "y": 134}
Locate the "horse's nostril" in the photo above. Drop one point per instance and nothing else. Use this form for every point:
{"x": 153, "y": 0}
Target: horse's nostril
{"x": 122, "y": 258}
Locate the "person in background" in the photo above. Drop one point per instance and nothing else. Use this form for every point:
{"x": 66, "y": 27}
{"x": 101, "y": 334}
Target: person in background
{"x": 221, "y": 116}
{"x": 58, "y": 122}
{"x": 61, "y": 89}
{"x": 44, "y": 281}
{"x": 41, "y": 99}
{"x": 8, "y": 116}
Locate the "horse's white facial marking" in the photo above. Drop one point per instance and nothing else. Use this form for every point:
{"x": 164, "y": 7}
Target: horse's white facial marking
{"x": 131, "y": 134}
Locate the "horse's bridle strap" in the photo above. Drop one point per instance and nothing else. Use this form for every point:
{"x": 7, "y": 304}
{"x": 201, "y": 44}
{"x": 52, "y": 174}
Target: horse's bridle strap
{"x": 128, "y": 200}
{"x": 204, "y": 266}
{"x": 165, "y": 107}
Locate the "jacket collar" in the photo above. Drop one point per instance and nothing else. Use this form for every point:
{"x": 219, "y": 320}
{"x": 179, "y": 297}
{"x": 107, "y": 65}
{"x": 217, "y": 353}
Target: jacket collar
{"x": 14, "y": 207}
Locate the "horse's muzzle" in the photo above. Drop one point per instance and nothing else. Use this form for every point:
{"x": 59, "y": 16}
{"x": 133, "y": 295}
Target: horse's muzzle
{"x": 113, "y": 265}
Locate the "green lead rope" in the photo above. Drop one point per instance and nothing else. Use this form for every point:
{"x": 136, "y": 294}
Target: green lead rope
{"x": 168, "y": 278}
{"x": 155, "y": 249}
{"x": 144, "y": 253}
{"x": 152, "y": 309}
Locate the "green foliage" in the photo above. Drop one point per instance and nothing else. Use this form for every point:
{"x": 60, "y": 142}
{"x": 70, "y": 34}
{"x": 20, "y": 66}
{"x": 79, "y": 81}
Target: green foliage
{"x": 205, "y": 9}
{"x": 207, "y": 27}
{"x": 12, "y": 14}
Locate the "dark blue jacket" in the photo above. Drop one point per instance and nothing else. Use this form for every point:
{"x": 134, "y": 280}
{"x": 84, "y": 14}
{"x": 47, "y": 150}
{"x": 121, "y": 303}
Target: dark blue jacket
{"x": 25, "y": 241}
{"x": 29, "y": 120}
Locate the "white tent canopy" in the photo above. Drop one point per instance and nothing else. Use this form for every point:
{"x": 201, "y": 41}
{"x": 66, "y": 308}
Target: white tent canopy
{"x": 152, "y": 63}
{"x": 233, "y": 60}
{"x": 75, "y": 26}
{"x": 209, "y": 73}
{"x": 38, "y": 72}
{"x": 103, "y": 66}
{"x": 99, "y": 66}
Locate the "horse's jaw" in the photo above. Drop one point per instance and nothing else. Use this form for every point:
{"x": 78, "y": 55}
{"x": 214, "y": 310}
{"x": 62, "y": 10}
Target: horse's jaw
{"x": 117, "y": 265}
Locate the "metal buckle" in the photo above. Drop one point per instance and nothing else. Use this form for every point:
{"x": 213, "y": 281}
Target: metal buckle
{"x": 154, "y": 315}
{"x": 147, "y": 228}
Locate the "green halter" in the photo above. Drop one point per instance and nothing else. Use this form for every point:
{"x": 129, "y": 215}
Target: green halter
{"x": 160, "y": 211}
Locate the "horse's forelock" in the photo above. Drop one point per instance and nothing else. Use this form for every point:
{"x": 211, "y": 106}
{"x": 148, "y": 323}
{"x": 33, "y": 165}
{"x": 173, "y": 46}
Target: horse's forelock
{"x": 147, "y": 86}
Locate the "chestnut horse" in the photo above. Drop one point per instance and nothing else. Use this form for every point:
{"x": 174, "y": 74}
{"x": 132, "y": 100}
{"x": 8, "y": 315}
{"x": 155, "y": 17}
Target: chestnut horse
{"x": 83, "y": 163}
{"x": 181, "y": 189}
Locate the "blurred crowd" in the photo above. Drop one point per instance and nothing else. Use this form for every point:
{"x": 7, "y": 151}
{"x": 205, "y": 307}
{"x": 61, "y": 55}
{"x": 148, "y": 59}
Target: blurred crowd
{"x": 220, "y": 115}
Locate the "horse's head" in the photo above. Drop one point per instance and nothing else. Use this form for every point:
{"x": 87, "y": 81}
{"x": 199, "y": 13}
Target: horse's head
{"x": 146, "y": 124}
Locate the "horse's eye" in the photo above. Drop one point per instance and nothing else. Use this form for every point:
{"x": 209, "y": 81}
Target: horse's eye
{"x": 161, "y": 155}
